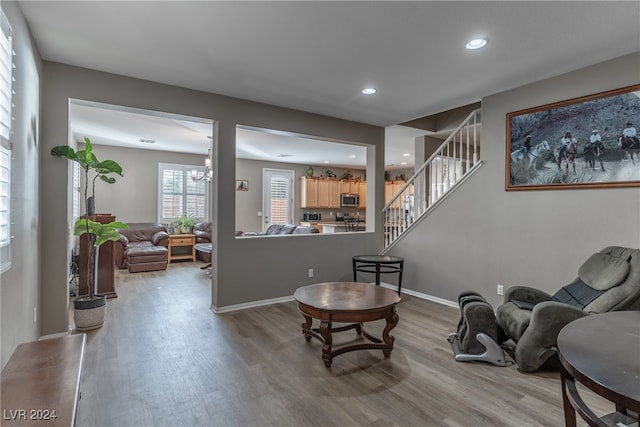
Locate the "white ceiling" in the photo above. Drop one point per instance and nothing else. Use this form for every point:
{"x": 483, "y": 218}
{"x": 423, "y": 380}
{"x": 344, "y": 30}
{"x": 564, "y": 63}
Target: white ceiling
{"x": 317, "y": 56}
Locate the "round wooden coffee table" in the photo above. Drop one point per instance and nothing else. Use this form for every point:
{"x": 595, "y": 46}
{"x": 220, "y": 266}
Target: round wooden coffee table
{"x": 347, "y": 302}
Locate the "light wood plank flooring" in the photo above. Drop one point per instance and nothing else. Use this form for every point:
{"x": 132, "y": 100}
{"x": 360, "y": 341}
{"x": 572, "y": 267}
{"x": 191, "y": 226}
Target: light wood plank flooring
{"x": 164, "y": 359}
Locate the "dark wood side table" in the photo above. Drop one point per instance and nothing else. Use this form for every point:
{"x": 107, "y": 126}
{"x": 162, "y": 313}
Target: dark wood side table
{"x": 378, "y": 264}
{"x": 347, "y": 302}
{"x": 602, "y": 352}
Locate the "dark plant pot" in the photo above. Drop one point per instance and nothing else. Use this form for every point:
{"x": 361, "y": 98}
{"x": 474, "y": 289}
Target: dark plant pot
{"x": 89, "y": 314}
{"x": 87, "y": 304}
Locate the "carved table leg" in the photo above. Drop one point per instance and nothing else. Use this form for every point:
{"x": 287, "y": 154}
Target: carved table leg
{"x": 392, "y": 321}
{"x": 306, "y": 327}
{"x": 325, "y": 331}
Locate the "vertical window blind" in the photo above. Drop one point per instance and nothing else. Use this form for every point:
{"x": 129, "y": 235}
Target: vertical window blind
{"x": 279, "y": 200}
{"x": 6, "y": 93}
{"x": 178, "y": 193}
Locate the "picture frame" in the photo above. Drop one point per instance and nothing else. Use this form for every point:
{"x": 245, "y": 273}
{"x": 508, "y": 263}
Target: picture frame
{"x": 579, "y": 143}
{"x": 242, "y": 185}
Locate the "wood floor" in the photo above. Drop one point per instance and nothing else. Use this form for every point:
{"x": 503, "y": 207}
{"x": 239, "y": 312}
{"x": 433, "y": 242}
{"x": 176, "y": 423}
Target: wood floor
{"x": 164, "y": 359}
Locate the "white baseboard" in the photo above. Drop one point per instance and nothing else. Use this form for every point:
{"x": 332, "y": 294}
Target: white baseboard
{"x": 252, "y": 304}
{"x": 50, "y": 336}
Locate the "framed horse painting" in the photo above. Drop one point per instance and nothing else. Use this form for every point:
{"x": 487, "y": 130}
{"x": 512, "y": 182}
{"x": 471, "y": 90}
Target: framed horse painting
{"x": 587, "y": 142}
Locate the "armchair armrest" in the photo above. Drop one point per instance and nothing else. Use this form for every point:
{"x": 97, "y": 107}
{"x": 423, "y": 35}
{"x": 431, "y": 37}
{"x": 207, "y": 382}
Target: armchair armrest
{"x": 123, "y": 240}
{"x": 539, "y": 341}
{"x": 202, "y": 236}
{"x": 161, "y": 238}
{"x": 118, "y": 251}
{"x": 526, "y": 294}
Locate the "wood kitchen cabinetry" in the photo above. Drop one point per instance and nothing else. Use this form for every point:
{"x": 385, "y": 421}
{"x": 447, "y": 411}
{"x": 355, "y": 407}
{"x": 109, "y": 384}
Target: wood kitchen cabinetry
{"x": 328, "y": 193}
{"x": 350, "y": 187}
{"x": 362, "y": 191}
{"x": 319, "y": 193}
{"x": 308, "y": 192}
{"x": 391, "y": 188}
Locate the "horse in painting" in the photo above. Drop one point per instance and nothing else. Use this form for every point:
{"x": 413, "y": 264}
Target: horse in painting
{"x": 531, "y": 156}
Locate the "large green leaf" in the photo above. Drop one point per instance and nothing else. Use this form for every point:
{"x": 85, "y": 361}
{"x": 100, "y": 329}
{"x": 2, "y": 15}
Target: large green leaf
{"x": 108, "y": 166}
{"x": 103, "y": 232}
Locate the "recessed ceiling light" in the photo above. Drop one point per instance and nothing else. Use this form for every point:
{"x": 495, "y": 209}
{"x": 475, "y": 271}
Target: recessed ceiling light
{"x": 403, "y": 163}
{"x": 476, "y": 43}
{"x": 406, "y": 155}
{"x": 369, "y": 91}
{"x": 325, "y": 161}
{"x": 352, "y": 156}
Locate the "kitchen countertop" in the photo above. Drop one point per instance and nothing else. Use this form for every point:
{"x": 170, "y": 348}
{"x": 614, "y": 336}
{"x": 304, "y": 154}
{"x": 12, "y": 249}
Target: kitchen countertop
{"x": 335, "y": 226}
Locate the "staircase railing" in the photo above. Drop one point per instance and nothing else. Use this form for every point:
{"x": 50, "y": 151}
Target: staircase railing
{"x": 455, "y": 160}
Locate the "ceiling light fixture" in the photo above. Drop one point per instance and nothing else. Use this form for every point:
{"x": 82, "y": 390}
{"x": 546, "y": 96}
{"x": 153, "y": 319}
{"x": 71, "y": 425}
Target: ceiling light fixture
{"x": 476, "y": 43}
{"x": 406, "y": 155}
{"x": 207, "y": 175}
{"x": 352, "y": 156}
{"x": 369, "y": 91}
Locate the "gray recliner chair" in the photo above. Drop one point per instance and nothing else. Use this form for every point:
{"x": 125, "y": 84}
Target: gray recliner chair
{"x": 608, "y": 281}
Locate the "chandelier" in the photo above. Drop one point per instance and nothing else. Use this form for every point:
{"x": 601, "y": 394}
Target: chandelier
{"x": 207, "y": 175}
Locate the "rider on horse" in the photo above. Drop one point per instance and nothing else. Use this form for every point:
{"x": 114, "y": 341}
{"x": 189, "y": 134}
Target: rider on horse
{"x": 629, "y": 133}
{"x": 527, "y": 145}
{"x": 564, "y": 143}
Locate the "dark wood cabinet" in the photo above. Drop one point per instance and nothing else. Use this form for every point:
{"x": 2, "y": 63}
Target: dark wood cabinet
{"x": 105, "y": 262}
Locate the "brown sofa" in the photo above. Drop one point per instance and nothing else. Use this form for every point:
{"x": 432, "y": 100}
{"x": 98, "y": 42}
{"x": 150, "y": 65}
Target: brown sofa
{"x": 142, "y": 247}
{"x": 202, "y": 230}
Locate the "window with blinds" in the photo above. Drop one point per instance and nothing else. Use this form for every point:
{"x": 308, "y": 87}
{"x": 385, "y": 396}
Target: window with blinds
{"x": 280, "y": 200}
{"x": 76, "y": 191}
{"x": 178, "y": 193}
{"x": 277, "y": 196}
{"x": 6, "y": 92}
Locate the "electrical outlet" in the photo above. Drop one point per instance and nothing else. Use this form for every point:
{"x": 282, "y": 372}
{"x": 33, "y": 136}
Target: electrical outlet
{"x": 311, "y": 272}
{"x": 500, "y": 290}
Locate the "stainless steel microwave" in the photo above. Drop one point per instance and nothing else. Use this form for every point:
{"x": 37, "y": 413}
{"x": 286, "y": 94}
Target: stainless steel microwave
{"x": 347, "y": 200}
{"x": 308, "y": 216}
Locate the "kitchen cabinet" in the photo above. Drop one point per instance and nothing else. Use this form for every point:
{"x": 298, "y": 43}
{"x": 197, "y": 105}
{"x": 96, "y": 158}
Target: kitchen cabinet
{"x": 308, "y": 192}
{"x": 362, "y": 191}
{"x": 391, "y": 188}
{"x": 334, "y": 193}
{"x": 319, "y": 193}
{"x": 350, "y": 187}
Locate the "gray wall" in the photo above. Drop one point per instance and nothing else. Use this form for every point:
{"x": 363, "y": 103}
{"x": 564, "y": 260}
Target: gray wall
{"x": 20, "y": 284}
{"x": 482, "y": 236}
{"x": 278, "y": 265}
{"x": 134, "y": 197}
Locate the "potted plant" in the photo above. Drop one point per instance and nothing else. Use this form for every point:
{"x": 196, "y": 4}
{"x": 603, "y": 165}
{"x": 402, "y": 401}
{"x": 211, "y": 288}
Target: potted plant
{"x": 90, "y": 309}
{"x": 185, "y": 223}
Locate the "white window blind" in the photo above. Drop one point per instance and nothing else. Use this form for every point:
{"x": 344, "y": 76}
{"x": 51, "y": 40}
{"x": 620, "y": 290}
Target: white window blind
{"x": 279, "y": 200}
{"x": 178, "y": 193}
{"x": 76, "y": 190}
{"x": 6, "y": 94}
